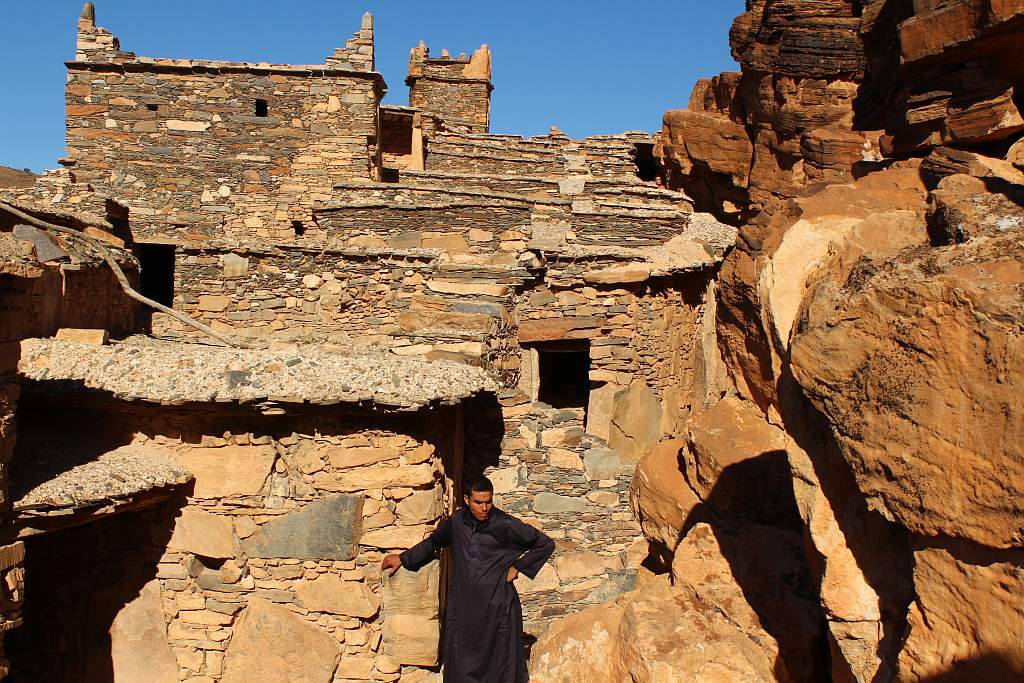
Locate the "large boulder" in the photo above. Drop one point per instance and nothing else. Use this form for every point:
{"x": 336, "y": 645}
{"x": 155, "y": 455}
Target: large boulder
{"x": 736, "y": 462}
{"x": 660, "y": 496}
{"x": 654, "y": 635}
{"x": 917, "y": 362}
{"x": 757, "y": 575}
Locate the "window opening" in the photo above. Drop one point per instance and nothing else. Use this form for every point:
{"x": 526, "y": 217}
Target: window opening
{"x": 299, "y": 228}
{"x": 261, "y": 108}
{"x": 564, "y": 375}
{"x": 156, "y": 277}
{"x": 152, "y": 107}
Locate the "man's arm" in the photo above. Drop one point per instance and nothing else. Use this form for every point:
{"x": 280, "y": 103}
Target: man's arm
{"x": 421, "y": 554}
{"x": 537, "y": 545}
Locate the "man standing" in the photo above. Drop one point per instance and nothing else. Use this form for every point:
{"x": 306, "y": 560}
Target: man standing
{"x": 483, "y": 638}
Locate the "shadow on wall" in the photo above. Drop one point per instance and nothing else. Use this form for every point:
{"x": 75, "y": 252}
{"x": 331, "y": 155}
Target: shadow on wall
{"x": 91, "y": 600}
{"x": 990, "y": 668}
{"x": 753, "y": 514}
{"x": 880, "y": 548}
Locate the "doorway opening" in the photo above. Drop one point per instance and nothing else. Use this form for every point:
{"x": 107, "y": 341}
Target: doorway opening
{"x": 156, "y": 279}
{"x": 646, "y": 165}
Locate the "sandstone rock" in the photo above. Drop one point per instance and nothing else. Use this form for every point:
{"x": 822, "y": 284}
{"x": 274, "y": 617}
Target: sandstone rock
{"x": 736, "y": 461}
{"x": 395, "y": 537}
{"x": 199, "y": 532}
{"x": 214, "y": 303}
{"x": 422, "y": 507}
{"x": 234, "y": 266}
{"x": 648, "y": 635}
{"x": 94, "y": 337}
{"x": 1015, "y": 155}
{"x": 636, "y": 421}
{"x": 411, "y": 616}
{"x": 604, "y": 463}
{"x": 660, "y": 496}
{"x": 944, "y": 407}
{"x": 330, "y": 593}
{"x": 341, "y": 457}
{"x": 507, "y": 479}
{"x": 599, "y": 409}
{"x": 579, "y": 564}
{"x": 326, "y": 529}
{"x": 229, "y": 470}
{"x": 139, "y": 650}
{"x": 756, "y": 574}
{"x": 271, "y": 642}
{"x": 968, "y": 618}
{"x": 412, "y": 639}
{"x": 467, "y": 288}
{"x": 379, "y": 477}
{"x": 554, "y": 329}
{"x": 546, "y": 580}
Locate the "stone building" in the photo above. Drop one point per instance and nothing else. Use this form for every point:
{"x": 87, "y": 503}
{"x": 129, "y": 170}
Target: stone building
{"x": 429, "y": 300}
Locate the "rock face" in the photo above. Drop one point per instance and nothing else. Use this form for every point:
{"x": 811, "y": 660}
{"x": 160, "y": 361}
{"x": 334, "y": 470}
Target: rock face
{"x": 783, "y": 122}
{"x": 821, "y": 80}
{"x": 917, "y": 364}
{"x": 648, "y": 636}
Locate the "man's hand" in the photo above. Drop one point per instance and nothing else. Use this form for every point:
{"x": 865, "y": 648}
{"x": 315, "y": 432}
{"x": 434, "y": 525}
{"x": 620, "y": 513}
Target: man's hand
{"x": 390, "y": 562}
{"x": 512, "y": 574}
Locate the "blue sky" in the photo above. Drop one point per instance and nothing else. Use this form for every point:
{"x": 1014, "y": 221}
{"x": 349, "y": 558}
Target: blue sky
{"x": 589, "y": 68}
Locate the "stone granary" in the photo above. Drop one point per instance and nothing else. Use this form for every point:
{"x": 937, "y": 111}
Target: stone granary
{"x": 425, "y": 299}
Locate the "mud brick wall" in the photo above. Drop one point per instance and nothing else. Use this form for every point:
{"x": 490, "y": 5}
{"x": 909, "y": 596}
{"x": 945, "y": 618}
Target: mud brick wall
{"x": 277, "y": 546}
{"x": 186, "y": 145}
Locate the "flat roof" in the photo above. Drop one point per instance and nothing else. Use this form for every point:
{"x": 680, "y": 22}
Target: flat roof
{"x": 175, "y": 373}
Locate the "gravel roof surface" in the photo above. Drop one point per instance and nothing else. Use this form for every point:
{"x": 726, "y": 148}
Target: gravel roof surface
{"x": 52, "y": 476}
{"x": 172, "y": 372}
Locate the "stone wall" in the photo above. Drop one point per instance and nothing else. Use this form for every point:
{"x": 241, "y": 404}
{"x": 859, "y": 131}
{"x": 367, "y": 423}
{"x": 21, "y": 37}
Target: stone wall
{"x": 277, "y": 547}
{"x": 457, "y": 89}
{"x": 555, "y": 154}
{"x": 215, "y": 148}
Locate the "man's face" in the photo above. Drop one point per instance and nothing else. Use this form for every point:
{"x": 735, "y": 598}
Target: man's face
{"x": 480, "y": 504}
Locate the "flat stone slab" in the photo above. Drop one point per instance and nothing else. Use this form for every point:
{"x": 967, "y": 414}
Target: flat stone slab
{"x": 551, "y": 503}
{"x": 327, "y": 529}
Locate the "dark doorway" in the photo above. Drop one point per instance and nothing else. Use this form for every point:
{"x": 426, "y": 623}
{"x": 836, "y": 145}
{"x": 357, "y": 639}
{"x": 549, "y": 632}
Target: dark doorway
{"x": 564, "y": 375}
{"x": 646, "y": 165}
{"x": 157, "y": 277}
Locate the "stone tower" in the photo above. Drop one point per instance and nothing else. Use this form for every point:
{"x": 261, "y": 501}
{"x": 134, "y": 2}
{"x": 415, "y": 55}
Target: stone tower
{"x": 458, "y": 89}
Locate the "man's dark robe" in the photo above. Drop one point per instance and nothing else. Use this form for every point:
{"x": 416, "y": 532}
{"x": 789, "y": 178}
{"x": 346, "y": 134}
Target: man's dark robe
{"x": 483, "y": 641}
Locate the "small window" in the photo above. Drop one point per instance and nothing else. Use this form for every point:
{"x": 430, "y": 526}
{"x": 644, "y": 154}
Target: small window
{"x": 299, "y": 228}
{"x": 152, "y": 107}
{"x": 564, "y": 374}
{"x": 261, "y": 108}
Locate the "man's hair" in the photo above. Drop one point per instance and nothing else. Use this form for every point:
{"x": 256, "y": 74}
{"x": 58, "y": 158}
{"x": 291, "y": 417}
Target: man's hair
{"x": 479, "y": 484}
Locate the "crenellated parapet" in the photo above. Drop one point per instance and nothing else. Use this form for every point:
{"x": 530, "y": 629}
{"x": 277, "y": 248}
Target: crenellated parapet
{"x": 458, "y": 89}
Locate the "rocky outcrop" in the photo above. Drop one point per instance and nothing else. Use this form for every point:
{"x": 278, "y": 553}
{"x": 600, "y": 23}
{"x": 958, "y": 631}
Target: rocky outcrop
{"x": 822, "y": 81}
{"x": 784, "y": 122}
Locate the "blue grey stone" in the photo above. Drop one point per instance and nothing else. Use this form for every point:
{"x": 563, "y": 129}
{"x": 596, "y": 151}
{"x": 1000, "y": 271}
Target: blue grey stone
{"x": 327, "y": 529}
